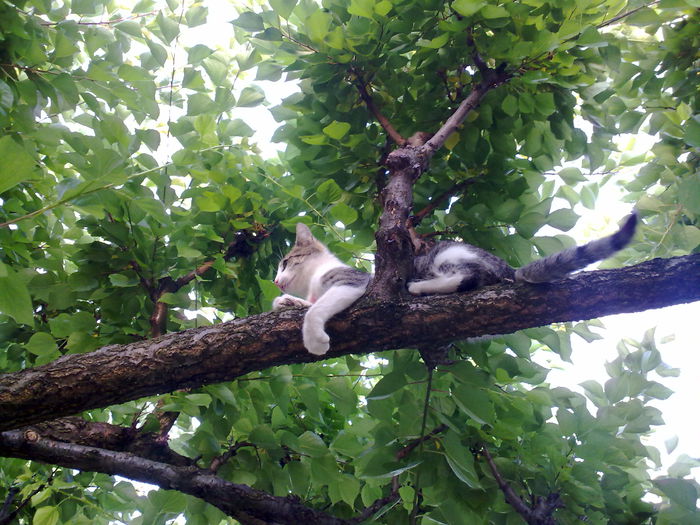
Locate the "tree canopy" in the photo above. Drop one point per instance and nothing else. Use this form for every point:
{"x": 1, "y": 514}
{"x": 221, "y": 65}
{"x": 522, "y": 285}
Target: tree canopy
{"x": 140, "y": 227}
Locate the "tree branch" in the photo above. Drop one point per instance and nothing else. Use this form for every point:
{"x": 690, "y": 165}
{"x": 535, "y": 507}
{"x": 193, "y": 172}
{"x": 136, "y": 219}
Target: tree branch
{"x": 239, "y": 501}
{"x": 210, "y": 354}
{"x": 394, "y": 253}
{"x": 511, "y": 497}
{"x": 110, "y": 437}
{"x": 369, "y": 102}
{"x": 540, "y": 513}
{"x": 492, "y": 78}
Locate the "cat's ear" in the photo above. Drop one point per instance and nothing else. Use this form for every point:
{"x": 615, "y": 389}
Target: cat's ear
{"x": 304, "y": 235}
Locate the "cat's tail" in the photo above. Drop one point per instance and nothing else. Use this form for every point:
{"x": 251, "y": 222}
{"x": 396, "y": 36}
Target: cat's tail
{"x": 559, "y": 265}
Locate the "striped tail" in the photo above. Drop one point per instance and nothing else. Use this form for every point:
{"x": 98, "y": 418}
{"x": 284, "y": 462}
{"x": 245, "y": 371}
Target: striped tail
{"x": 559, "y": 265}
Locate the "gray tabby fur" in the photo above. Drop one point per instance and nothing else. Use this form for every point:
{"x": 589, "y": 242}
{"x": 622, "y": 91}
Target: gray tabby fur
{"x": 329, "y": 286}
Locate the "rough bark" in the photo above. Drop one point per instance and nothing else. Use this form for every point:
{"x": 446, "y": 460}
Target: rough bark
{"x": 249, "y": 506}
{"x": 406, "y": 164}
{"x": 210, "y": 354}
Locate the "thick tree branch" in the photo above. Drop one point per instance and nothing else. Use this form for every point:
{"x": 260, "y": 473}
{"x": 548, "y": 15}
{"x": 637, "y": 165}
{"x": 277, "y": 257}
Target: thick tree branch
{"x": 394, "y": 253}
{"x": 110, "y": 437}
{"x": 119, "y": 373}
{"x": 249, "y": 506}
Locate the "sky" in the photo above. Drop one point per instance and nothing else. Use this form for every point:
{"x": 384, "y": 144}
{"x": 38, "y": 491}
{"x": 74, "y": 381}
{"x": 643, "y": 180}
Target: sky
{"x": 588, "y": 358}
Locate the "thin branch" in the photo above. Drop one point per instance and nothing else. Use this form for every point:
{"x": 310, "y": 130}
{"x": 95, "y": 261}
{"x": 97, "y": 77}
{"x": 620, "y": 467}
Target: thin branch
{"x": 626, "y": 14}
{"x": 415, "y": 220}
{"x": 541, "y": 510}
{"x": 105, "y": 22}
{"x": 219, "y": 461}
{"x": 492, "y": 78}
{"x": 405, "y": 451}
{"x": 512, "y": 498}
{"x": 7, "y": 516}
{"x": 369, "y": 102}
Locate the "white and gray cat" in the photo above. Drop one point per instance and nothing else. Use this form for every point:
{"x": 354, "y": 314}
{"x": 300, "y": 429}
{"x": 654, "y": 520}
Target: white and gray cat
{"x": 329, "y": 286}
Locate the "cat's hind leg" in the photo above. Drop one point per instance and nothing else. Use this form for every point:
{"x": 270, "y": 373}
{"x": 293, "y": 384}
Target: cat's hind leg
{"x": 440, "y": 284}
{"x": 335, "y": 300}
{"x": 443, "y": 284}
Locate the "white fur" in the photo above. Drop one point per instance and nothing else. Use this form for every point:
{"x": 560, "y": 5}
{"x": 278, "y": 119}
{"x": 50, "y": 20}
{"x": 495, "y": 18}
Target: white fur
{"x": 306, "y": 281}
{"x": 444, "y": 283}
{"x": 441, "y": 284}
{"x": 335, "y": 300}
{"x": 455, "y": 253}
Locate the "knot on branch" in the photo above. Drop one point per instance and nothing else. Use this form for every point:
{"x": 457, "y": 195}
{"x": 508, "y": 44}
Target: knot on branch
{"x": 407, "y": 158}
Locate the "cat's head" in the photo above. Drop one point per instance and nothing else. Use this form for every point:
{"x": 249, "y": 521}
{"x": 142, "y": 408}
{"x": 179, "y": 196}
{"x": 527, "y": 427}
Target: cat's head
{"x": 295, "y": 270}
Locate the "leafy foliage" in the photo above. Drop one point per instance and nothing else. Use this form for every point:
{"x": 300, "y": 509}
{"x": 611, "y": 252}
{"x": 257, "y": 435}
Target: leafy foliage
{"x": 130, "y": 183}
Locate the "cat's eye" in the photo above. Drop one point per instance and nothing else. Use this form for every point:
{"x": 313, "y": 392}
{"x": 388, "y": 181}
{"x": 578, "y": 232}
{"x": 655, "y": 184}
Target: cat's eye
{"x": 284, "y": 264}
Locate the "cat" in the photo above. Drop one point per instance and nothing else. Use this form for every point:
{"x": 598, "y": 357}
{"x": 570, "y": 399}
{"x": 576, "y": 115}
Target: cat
{"x": 329, "y": 286}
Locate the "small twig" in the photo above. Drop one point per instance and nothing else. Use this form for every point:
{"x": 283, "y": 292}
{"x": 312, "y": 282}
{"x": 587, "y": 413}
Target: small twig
{"x": 375, "y": 507}
{"x": 219, "y": 461}
{"x": 625, "y": 14}
{"x": 8, "y": 517}
{"x": 405, "y": 451}
{"x": 103, "y": 23}
{"x": 415, "y": 220}
{"x": 367, "y": 98}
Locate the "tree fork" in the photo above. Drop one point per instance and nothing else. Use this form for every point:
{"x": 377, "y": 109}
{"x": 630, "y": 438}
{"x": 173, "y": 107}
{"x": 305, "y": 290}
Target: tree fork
{"x": 210, "y": 354}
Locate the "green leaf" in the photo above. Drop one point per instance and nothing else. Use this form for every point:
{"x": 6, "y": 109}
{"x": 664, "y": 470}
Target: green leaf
{"x": 160, "y": 55}
{"x": 571, "y": 176}
{"x": 17, "y": 164}
{"x": 329, "y": 191}
{"x": 387, "y": 385}
{"x": 47, "y": 515}
{"x": 169, "y": 27}
{"x": 510, "y": 105}
{"x": 563, "y": 219}
{"x": 344, "y": 213}
{"x": 680, "y": 491}
{"x": 249, "y": 21}
{"x": 475, "y": 403}
{"x": 130, "y": 28}
{"x": 467, "y": 7}
{"x": 407, "y": 494}
{"x": 283, "y": 8}
{"x": 363, "y": 8}
{"x": 460, "y": 460}
{"x": 689, "y": 193}
{"x": 317, "y": 25}
{"x": 311, "y": 443}
{"x": 41, "y": 343}
{"x": 15, "y": 300}
{"x": 494, "y": 11}
{"x": 336, "y": 130}
{"x": 692, "y": 132}
{"x": 251, "y": 97}
{"x": 349, "y": 489}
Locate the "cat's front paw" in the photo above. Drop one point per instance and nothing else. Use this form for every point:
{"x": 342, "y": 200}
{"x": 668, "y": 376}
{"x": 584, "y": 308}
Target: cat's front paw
{"x": 288, "y": 301}
{"x": 316, "y": 341}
